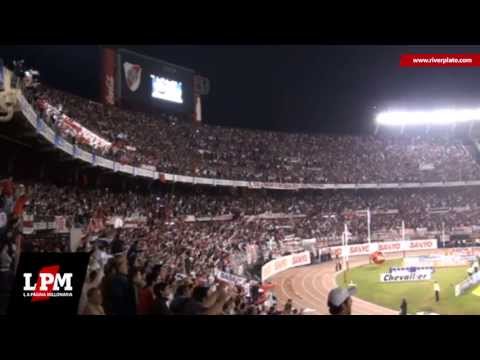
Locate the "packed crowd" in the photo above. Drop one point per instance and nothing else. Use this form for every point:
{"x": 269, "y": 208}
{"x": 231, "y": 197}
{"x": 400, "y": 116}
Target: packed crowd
{"x": 168, "y": 265}
{"x": 316, "y": 214}
{"x": 169, "y": 262}
{"x": 157, "y": 267}
{"x": 184, "y": 148}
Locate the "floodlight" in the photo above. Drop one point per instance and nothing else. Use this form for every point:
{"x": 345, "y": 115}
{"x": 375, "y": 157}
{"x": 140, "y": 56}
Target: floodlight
{"x": 435, "y": 117}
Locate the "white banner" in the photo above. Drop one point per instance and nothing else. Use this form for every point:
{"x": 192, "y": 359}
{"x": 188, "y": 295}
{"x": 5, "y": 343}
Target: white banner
{"x": 193, "y": 218}
{"x": 385, "y": 247}
{"x": 284, "y": 263}
{"x": 467, "y": 251}
{"x": 134, "y": 222}
{"x": 306, "y": 242}
{"x": 385, "y": 212}
{"x": 440, "y": 210}
{"x": 407, "y": 274}
{"x": 427, "y": 166}
{"x": 230, "y": 278}
{"x": 127, "y": 222}
{"x": 450, "y": 258}
{"x": 462, "y": 230}
{"x": 148, "y": 167}
{"x": 268, "y": 216}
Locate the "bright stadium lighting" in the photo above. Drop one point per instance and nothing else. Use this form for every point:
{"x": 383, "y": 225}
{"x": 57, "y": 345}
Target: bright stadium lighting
{"x": 435, "y": 117}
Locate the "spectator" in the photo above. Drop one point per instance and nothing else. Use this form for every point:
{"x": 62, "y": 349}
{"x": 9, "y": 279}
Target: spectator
{"x": 340, "y": 302}
{"x": 138, "y": 283}
{"x": 94, "y": 304}
{"x": 146, "y": 296}
{"x": 3, "y": 221}
{"x": 121, "y": 290}
{"x": 117, "y": 245}
{"x": 110, "y": 271}
{"x": 436, "y": 289}
{"x": 182, "y": 296}
{"x": 93, "y": 281}
{"x": 162, "y": 298}
{"x": 7, "y": 278}
{"x": 7, "y": 188}
{"x": 403, "y": 307}
{"x": 201, "y": 303}
{"x": 287, "y": 310}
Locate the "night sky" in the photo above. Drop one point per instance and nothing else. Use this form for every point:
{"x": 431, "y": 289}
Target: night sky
{"x": 302, "y": 88}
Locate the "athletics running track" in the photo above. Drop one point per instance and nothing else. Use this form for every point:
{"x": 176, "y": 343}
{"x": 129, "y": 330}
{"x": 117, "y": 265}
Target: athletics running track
{"x": 308, "y": 287}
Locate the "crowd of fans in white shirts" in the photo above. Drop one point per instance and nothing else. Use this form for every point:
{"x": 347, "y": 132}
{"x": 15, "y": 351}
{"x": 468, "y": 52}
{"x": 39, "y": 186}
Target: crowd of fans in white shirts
{"x": 185, "y": 148}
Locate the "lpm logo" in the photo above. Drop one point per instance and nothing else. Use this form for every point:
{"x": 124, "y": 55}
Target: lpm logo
{"x": 48, "y": 283}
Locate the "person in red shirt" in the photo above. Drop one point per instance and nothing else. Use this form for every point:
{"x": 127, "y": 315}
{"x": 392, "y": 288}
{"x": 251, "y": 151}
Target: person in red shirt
{"x": 21, "y": 202}
{"x": 7, "y": 189}
{"x": 146, "y": 298}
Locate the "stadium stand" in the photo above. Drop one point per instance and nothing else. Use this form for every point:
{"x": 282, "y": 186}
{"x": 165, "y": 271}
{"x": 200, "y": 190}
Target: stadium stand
{"x": 161, "y": 252}
{"x": 239, "y": 154}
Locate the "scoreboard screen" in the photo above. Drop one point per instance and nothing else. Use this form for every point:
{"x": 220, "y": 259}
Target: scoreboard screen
{"x": 164, "y": 89}
{"x": 148, "y": 84}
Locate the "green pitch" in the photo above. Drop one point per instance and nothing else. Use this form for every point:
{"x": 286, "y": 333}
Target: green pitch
{"x": 419, "y": 295}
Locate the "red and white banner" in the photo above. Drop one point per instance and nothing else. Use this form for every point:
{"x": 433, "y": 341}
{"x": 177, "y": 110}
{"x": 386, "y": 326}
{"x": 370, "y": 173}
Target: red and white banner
{"x": 127, "y": 222}
{"x": 108, "y": 76}
{"x": 27, "y": 224}
{"x": 67, "y": 125}
{"x": 82, "y": 133}
{"x": 284, "y": 263}
{"x": 385, "y": 247}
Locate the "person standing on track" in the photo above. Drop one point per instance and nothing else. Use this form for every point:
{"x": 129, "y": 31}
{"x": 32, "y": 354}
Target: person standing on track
{"x": 340, "y": 302}
{"x": 436, "y": 288}
{"x": 403, "y": 307}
